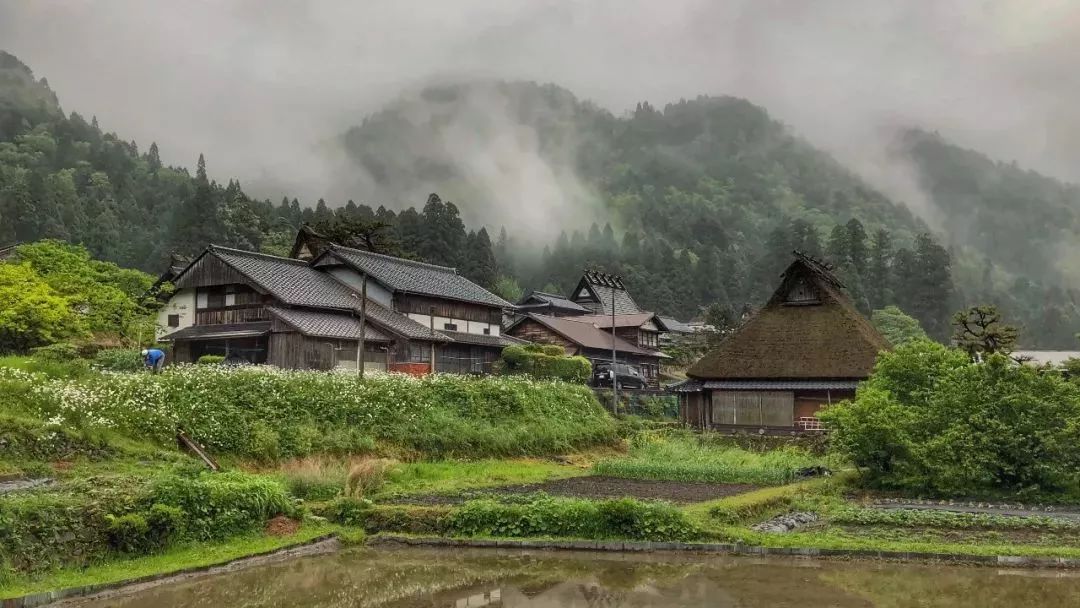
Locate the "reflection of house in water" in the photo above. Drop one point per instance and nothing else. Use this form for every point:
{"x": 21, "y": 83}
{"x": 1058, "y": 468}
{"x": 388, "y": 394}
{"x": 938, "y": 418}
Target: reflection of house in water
{"x": 487, "y": 598}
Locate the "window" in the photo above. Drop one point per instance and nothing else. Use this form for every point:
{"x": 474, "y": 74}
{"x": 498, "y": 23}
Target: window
{"x": 215, "y": 298}
{"x": 487, "y": 331}
{"x": 174, "y": 320}
{"x": 647, "y": 338}
{"x": 230, "y": 295}
{"x": 802, "y": 293}
{"x": 754, "y": 408}
{"x": 450, "y": 326}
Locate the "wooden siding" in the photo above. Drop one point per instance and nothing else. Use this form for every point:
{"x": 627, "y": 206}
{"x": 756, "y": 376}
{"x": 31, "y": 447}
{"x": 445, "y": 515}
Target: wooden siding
{"x": 232, "y": 314}
{"x": 707, "y": 409}
{"x": 210, "y": 271}
{"x": 452, "y": 309}
{"x": 293, "y": 350}
{"x": 539, "y": 333}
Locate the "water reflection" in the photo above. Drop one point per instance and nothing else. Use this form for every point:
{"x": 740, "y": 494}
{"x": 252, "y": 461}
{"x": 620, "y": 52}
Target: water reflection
{"x": 411, "y": 578}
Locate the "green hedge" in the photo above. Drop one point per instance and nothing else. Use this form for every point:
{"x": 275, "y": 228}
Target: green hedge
{"x": 928, "y": 518}
{"x": 211, "y": 360}
{"x": 546, "y": 362}
{"x": 625, "y": 518}
{"x": 267, "y": 414}
{"x": 119, "y": 359}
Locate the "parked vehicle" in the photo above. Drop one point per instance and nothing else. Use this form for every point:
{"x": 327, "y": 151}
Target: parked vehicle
{"x": 626, "y": 376}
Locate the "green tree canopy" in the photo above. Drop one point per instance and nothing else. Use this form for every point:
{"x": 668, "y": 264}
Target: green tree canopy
{"x": 897, "y": 327}
{"x": 31, "y": 312}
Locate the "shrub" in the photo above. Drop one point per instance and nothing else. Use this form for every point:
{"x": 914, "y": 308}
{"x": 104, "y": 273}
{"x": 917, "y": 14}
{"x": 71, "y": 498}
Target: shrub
{"x": 623, "y": 518}
{"x": 688, "y": 458}
{"x": 930, "y": 420}
{"x": 119, "y": 359}
{"x": 128, "y": 533}
{"x": 165, "y": 524}
{"x": 547, "y": 361}
{"x": 60, "y": 352}
{"x": 34, "y": 440}
{"x": 223, "y": 504}
{"x": 346, "y": 510}
{"x": 210, "y": 360}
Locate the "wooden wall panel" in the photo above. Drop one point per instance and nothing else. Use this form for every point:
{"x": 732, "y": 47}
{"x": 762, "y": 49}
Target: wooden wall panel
{"x": 232, "y": 314}
{"x": 210, "y": 271}
{"x": 451, "y": 309}
{"x": 539, "y": 333}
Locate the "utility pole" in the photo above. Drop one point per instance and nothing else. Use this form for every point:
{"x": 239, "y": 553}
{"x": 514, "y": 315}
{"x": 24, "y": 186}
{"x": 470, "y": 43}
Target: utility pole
{"x": 360, "y": 344}
{"x": 614, "y": 374}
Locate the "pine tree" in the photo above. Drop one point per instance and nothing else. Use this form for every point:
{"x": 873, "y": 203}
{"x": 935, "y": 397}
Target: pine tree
{"x": 934, "y": 289}
{"x": 153, "y": 160}
{"x": 856, "y": 243}
{"x": 879, "y": 274}
{"x": 480, "y": 266}
{"x": 839, "y": 246}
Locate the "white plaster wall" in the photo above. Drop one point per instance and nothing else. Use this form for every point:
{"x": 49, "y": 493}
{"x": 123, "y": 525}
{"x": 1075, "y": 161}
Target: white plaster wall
{"x": 472, "y": 327}
{"x": 375, "y": 290}
{"x": 181, "y": 303}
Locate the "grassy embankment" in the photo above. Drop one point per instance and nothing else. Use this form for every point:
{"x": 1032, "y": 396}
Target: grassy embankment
{"x": 328, "y": 453}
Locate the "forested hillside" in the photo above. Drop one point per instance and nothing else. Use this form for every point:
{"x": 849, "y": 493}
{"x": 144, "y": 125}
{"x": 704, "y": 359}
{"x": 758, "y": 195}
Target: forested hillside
{"x": 696, "y": 203}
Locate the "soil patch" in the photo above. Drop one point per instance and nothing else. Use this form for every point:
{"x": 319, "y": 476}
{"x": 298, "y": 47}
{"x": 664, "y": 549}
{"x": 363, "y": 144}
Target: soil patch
{"x": 595, "y": 486}
{"x": 282, "y": 526}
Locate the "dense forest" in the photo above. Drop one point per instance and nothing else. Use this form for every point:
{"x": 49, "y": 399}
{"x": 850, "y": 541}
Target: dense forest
{"x": 702, "y": 202}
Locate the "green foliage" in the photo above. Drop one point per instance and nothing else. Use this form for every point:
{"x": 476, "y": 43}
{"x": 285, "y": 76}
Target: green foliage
{"x": 27, "y": 439}
{"x": 32, "y": 313}
{"x": 687, "y": 458}
{"x": 210, "y": 360}
{"x": 60, "y": 352}
{"x": 128, "y": 533}
{"x": 223, "y": 504}
{"x": 119, "y": 359}
{"x": 979, "y": 331}
{"x": 507, "y": 288}
{"x": 897, "y": 327}
{"x": 347, "y": 510}
{"x": 268, "y": 414}
{"x": 546, "y": 362}
{"x": 929, "y": 419}
{"x": 624, "y": 518}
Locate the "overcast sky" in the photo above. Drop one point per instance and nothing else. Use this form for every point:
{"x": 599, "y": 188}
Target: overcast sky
{"x": 256, "y": 84}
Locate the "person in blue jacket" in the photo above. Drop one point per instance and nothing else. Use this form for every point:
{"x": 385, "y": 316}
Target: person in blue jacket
{"x": 153, "y": 359}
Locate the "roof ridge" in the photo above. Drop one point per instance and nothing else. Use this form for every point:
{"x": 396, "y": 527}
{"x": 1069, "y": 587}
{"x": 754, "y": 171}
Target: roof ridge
{"x": 395, "y": 258}
{"x": 256, "y": 254}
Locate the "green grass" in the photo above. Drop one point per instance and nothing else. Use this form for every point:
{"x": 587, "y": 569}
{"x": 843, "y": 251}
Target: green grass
{"x": 449, "y": 476}
{"x": 180, "y": 558}
{"x": 686, "y": 458}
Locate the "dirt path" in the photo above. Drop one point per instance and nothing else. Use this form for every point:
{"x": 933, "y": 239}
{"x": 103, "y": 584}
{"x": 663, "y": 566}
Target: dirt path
{"x": 596, "y": 486}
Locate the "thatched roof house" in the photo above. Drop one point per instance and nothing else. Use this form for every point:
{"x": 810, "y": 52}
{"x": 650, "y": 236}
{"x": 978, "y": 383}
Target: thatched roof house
{"x": 806, "y": 347}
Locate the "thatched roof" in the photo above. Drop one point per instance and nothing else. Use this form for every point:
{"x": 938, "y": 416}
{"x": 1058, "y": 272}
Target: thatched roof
{"x": 808, "y": 329}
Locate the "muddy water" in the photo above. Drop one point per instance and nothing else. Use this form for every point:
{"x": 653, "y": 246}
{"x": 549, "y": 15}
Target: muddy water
{"x": 413, "y": 578}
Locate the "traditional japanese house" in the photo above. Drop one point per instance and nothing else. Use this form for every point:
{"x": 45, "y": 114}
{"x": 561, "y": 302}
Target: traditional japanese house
{"x": 550, "y": 304}
{"x": 808, "y": 346}
{"x": 7, "y": 251}
{"x": 586, "y": 338}
{"x": 305, "y": 314}
{"x": 600, "y": 292}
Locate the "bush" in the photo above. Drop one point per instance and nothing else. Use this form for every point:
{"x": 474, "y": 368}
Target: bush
{"x": 624, "y": 519}
{"x": 367, "y": 476}
{"x": 165, "y": 524}
{"x": 930, "y": 420}
{"x": 314, "y": 478}
{"x": 223, "y": 504}
{"x": 268, "y": 414}
{"x": 128, "y": 533}
{"x": 119, "y": 359}
{"x": 210, "y": 360}
{"x": 346, "y": 510}
{"x": 60, "y": 352}
{"x": 547, "y": 362}
{"x": 688, "y": 458}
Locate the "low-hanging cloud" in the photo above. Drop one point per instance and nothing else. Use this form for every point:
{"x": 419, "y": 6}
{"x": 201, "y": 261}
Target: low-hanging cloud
{"x": 262, "y": 87}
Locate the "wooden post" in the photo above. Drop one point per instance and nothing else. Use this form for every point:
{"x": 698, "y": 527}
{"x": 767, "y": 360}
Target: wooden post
{"x": 360, "y": 354}
{"x": 431, "y": 326}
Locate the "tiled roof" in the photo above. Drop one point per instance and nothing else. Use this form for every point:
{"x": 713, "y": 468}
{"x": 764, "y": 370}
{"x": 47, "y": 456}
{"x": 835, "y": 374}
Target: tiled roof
{"x": 628, "y": 320}
{"x": 296, "y": 283}
{"x": 226, "y": 330}
{"x": 676, "y": 326}
{"x": 327, "y": 324}
{"x": 416, "y": 277}
{"x": 588, "y": 335}
{"x": 552, "y": 300}
{"x": 686, "y": 386}
{"x": 482, "y": 339}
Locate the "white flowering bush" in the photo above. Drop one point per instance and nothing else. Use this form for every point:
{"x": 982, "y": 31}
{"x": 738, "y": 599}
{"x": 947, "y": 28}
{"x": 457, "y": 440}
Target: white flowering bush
{"x": 268, "y": 413}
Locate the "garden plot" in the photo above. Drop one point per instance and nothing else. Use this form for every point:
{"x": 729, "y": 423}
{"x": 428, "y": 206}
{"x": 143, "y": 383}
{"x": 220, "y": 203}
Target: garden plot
{"x": 595, "y": 486}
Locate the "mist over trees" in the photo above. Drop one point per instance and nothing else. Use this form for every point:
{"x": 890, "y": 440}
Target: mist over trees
{"x": 697, "y": 204}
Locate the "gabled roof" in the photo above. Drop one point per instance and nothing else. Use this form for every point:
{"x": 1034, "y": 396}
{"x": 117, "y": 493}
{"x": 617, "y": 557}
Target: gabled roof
{"x": 295, "y": 283}
{"x": 541, "y": 299}
{"x": 674, "y": 325}
{"x": 628, "y": 320}
{"x": 585, "y": 335}
{"x": 312, "y": 239}
{"x": 326, "y": 324}
{"x": 605, "y": 289}
{"x": 823, "y": 339}
{"x": 409, "y": 276}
